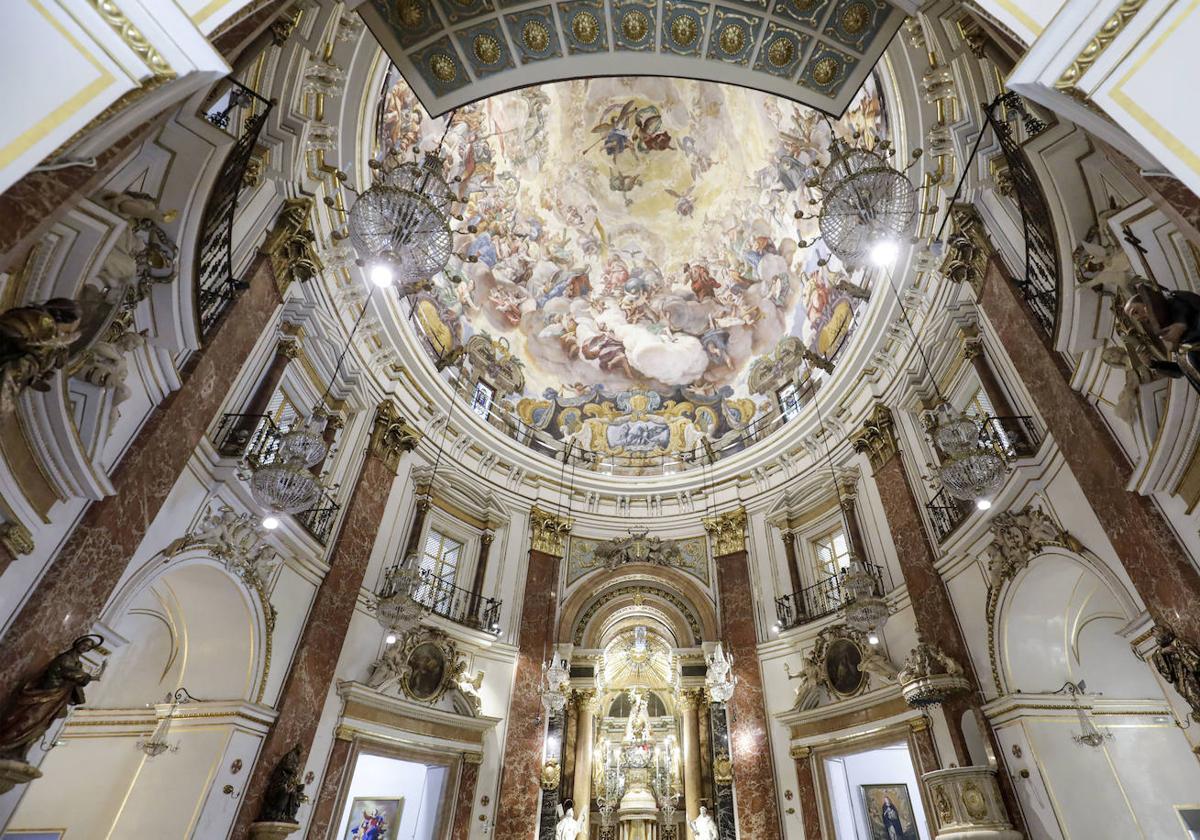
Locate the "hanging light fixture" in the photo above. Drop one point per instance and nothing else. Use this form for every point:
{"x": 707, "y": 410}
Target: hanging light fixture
{"x": 554, "y": 684}
{"x": 395, "y": 609}
{"x": 719, "y": 679}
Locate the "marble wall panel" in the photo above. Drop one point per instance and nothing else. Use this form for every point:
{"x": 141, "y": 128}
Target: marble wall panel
{"x": 327, "y": 794}
{"x": 463, "y": 808}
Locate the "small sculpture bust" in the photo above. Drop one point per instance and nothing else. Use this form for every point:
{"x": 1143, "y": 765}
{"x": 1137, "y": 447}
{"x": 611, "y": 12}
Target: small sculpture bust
{"x": 285, "y": 789}
{"x": 46, "y": 698}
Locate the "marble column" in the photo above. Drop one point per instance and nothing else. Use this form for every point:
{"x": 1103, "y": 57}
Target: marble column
{"x": 1158, "y": 566}
{"x": 468, "y": 782}
{"x": 78, "y": 583}
{"x": 420, "y": 510}
{"x": 753, "y": 772}
{"x": 689, "y": 704}
{"x": 806, "y": 794}
{"x": 315, "y": 660}
{"x": 854, "y": 531}
{"x": 936, "y": 621}
{"x": 570, "y": 733}
{"x": 789, "y": 552}
{"x": 485, "y": 549}
{"x": 333, "y": 424}
{"x": 519, "y": 805}
{"x": 286, "y": 349}
{"x": 581, "y": 788}
{"x": 337, "y": 774}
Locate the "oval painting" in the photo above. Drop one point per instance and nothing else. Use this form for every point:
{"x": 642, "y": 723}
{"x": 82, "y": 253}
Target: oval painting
{"x": 426, "y": 671}
{"x": 842, "y": 659}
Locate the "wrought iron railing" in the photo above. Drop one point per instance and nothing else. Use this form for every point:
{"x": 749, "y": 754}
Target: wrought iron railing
{"x": 462, "y": 606}
{"x": 946, "y": 513}
{"x": 820, "y": 599}
{"x": 254, "y": 438}
{"x": 216, "y": 286}
{"x": 1039, "y": 286}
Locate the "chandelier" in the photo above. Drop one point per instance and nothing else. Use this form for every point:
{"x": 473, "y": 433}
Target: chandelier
{"x": 867, "y": 205}
{"x": 395, "y": 608}
{"x": 286, "y": 485}
{"x": 865, "y": 608}
{"x": 719, "y": 679}
{"x": 971, "y": 470}
{"x": 554, "y": 684}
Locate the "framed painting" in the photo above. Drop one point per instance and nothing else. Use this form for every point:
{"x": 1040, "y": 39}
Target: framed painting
{"x": 374, "y": 818}
{"x": 889, "y": 812}
{"x": 426, "y": 675}
{"x": 842, "y": 658}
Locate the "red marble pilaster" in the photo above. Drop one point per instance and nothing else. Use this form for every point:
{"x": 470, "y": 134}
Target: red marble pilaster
{"x": 749, "y": 742}
{"x": 806, "y": 794}
{"x": 468, "y": 780}
{"x": 1163, "y": 573}
{"x": 335, "y": 777}
{"x": 519, "y": 806}
{"x": 75, "y": 588}
{"x": 313, "y": 665}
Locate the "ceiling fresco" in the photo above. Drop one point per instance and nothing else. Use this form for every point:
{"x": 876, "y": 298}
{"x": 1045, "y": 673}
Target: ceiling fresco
{"x": 817, "y": 52}
{"x": 636, "y": 249}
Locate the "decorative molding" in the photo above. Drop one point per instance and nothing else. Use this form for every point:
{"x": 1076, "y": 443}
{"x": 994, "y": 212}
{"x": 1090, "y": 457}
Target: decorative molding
{"x": 1094, "y": 48}
{"x": 672, "y": 598}
{"x": 391, "y": 435}
{"x": 16, "y": 538}
{"x": 841, "y": 663}
{"x": 967, "y": 248}
{"x": 800, "y": 753}
{"x": 967, "y": 802}
{"x": 548, "y": 532}
{"x": 133, "y": 38}
{"x": 291, "y": 244}
{"x": 877, "y": 438}
{"x": 728, "y": 531}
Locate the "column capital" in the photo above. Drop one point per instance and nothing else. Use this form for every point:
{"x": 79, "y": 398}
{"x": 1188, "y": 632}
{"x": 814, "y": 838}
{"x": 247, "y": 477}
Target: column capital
{"x": 967, "y": 248}
{"x": 288, "y": 347}
{"x": 800, "y": 753}
{"x": 391, "y": 436}
{"x": 548, "y": 533}
{"x": 291, "y": 244}
{"x": 728, "y": 531}
{"x": 16, "y": 538}
{"x": 877, "y": 438}
{"x": 690, "y": 699}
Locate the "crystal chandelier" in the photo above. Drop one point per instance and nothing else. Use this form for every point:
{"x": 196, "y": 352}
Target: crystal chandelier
{"x": 719, "y": 679}
{"x": 554, "y": 684}
{"x": 395, "y": 608}
{"x": 285, "y": 486}
{"x": 865, "y": 608}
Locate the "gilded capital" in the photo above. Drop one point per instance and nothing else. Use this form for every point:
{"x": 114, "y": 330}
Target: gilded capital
{"x": 291, "y": 244}
{"x": 967, "y": 248}
{"x": 391, "y": 436}
{"x": 800, "y": 753}
{"x": 472, "y": 758}
{"x": 728, "y": 531}
{"x": 877, "y": 438}
{"x": 548, "y": 532}
{"x": 289, "y": 348}
{"x": 690, "y": 699}
{"x": 16, "y": 538}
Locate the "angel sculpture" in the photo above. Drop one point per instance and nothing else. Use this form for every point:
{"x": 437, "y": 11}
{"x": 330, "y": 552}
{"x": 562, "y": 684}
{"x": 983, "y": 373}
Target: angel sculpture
{"x": 875, "y": 663}
{"x": 569, "y": 827}
{"x": 808, "y": 693}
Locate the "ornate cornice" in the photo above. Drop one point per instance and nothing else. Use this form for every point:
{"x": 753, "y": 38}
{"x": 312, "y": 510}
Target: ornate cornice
{"x": 877, "y": 438}
{"x": 967, "y": 249}
{"x": 391, "y": 436}
{"x": 728, "y": 531}
{"x": 548, "y": 533}
{"x": 1094, "y": 48}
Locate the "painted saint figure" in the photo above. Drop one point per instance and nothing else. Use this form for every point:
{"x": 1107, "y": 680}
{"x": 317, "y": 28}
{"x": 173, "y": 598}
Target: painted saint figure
{"x": 891, "y": 820}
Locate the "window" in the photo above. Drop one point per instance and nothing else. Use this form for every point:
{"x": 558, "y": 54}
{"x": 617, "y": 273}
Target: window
{"x": 789, "y": 401}
{"x": 481, "y": 400}
{"x": 980, "y": 408}
{"x": 438, "y": 569}
{"x": 833, "y": 554}
{"x": 282, "y": 410}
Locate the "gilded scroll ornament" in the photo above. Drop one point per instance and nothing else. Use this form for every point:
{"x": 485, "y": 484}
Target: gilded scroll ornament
{"x": 133, "y": 38}
{"x": 1107, "y": 33}
{"x": 391, "y": 435}
{"x": 728, "y": 531}
{"x": 291, "y": 244}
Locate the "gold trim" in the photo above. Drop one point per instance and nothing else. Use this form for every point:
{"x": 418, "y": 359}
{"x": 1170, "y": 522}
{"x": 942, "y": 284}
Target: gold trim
{"x": 728, "y": 531}
{"x": 133, "y": 38}
{"x": 1107, "y": 33}
{"x": 548, "y": 533}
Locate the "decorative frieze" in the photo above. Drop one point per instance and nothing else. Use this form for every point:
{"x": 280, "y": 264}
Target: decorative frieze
{"x": 728, "y": 531}
{"x": 548, "y": 533}
{"x": 877, "y": 438}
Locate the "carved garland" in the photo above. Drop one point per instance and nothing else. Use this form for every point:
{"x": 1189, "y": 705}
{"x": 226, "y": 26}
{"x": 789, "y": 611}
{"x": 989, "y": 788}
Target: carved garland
{"x": 674, "y": 600}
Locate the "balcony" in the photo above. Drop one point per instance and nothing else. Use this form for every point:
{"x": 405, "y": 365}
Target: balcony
{"x": 459, "y": 605}
{"x": 254, "y": 438}
{"x": 819, "y": 600}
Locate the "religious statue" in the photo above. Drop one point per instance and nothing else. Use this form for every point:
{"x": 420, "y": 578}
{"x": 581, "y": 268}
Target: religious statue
{"x": 468, "y": 686}
{"x": 46, "y": 698}
{"x": 35, "y": 341}
{"x": 142, "y": 255}
{"x": 285, "y": 789}
{"x": 1179, "y": 663}
{"x": 568, "y": 827}
{"x": 874, "y": 662}
{"x": 927, "y": 660}
{"x": 808, "y": 693}
{"x": 1172, "y": 317}
{"x": 637, "y": 726}
{"x": 703, "y": 827}
{"x": 389, "y": 669}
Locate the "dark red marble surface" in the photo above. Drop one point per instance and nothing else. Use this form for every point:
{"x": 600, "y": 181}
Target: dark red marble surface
{"x": 326, "y": 796}
{"x": 81, "y": 578}
{"x": 520, "y": 796}
{"x": 750, "y": 746}
{"x": 806, "y": 796}
{"x": 314, "y": 663}
{"x": 465, "y": 805}
{"x": 1163, "y": 574}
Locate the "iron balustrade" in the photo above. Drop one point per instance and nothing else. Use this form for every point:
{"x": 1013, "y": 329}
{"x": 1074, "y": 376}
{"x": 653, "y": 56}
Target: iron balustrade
{"x": 946, "y": 513}
{"x": 462, "y": 606}
{"x": 254, "y": 438}
{"x": 1039, "y": 286}
{"x": 216, "y": 286}
{"x": 820, "y": 599}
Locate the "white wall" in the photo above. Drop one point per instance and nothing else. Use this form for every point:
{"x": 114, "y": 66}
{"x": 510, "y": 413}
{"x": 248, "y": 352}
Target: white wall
{"x": 420, "y": 786}
{"x": 847, "y": 773}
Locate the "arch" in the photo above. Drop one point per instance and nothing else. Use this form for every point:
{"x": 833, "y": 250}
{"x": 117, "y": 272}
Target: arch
{"x": 1058, "y": 619}
{"x": 675, "y": 593}
{"x": 188, "y": 623}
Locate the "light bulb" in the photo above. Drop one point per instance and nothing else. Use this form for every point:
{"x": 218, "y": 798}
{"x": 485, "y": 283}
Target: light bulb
{"x": 872, "y": 638}
{"x": 884, "y": 252}
{"x": 389, "y": 639}
{"x": 983, "y": 504}
{"x": 270, "y": 522}
{"x": 381, "y": 275}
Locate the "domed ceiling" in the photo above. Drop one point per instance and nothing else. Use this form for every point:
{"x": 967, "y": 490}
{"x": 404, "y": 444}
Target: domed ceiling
{"x": 636, "y": 249}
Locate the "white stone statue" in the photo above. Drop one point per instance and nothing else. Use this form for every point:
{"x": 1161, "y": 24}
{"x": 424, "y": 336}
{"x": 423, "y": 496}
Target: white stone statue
{"x": 238, "y": 540}
{"x": 568, "y": 827}
{"x": 703, "y": 826}
{"x": 874, "y": 662}
{"x": 389, "y": 669}
{"x": 469, "y": 686}
{"x": 637, "y": 727}
{"x": 808, "y": 693}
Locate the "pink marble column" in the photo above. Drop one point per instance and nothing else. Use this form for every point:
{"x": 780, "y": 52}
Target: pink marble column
{"x": 519, "y": 805}
{"x": 468, "y": 781}
{"x": 753, "y": 773}
{"x": 90, "y": 563}
{"x": 315, "y": 660}
{"x": 806, "y": 794}
{"x": 1164, "y": 575}
{"x": 326, "y": 797}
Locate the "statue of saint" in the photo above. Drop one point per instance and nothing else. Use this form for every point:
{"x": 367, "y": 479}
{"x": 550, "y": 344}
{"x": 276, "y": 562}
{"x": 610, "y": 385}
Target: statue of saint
{"x": 46, "y": 698}
{"x": 808, "y": 693}
{"x": 703, "y": 826}
{"x": 1179, "y": 664}
{"x": 35, "y": 341}
{"x": 285, "y": 789}
{"x": 637, "y": 727}
{"x": 568, "y": 827}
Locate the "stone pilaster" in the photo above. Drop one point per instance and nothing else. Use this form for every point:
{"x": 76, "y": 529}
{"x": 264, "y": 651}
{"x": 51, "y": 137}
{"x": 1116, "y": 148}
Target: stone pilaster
{"x": 689, "y": 705}
{"x": 337, "y": 774}
{"x": 315, "y": 661}
{"x": 806, "y": 793}
{"x": 468, "y": 783}
{"x": 79, "y": 581}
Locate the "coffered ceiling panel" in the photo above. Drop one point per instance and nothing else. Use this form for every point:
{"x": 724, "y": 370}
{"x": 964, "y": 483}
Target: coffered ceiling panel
{"x": 451, "y": 52}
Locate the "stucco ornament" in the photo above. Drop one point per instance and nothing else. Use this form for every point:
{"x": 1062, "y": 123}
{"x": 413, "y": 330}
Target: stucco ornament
{"x": 1018, "y": 537}
{"x": 930, "y": 675}
{"x": 808, "y": 692}
{"x": 35, "y": 342}
{"x": 236, "y": 539}
{"x": 638, "y": 548}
